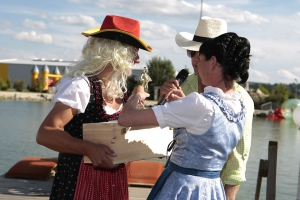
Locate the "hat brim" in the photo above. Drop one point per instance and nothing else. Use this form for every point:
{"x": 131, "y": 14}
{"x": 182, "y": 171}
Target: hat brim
{"x": 91, "y": 31}
{"x": 185, "y": 40}
{"x": 118, "y": 35}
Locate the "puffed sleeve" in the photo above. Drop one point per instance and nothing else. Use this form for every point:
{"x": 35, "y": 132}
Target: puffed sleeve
{"x": 74, "y": 92}
{"x": 194, "y": 112}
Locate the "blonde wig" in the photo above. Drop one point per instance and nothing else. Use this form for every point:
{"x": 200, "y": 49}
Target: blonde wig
{"x": 97, "y": 54}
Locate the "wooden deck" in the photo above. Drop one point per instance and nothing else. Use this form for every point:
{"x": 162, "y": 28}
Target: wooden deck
{"x": 25, "y": 189}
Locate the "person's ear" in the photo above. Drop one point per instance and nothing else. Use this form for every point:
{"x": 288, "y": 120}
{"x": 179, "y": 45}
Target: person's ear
{"x": 214, "y": 62}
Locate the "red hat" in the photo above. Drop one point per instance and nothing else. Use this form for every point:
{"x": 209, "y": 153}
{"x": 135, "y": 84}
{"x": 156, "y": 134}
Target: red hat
{"x": 121, "y": 29}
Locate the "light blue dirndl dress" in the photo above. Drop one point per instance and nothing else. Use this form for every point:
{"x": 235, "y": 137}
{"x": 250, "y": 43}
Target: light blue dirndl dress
{"x": 193, "y": 171}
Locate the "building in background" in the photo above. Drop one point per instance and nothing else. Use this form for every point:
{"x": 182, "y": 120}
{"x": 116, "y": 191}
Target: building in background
{"x": 24, "y": 69}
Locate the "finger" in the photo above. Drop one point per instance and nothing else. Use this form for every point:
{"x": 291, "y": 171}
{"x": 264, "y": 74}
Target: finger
{"x": 110, "y": 152}
{"x": 175, "y": 84}
{"x": 174, "y": 96}
{"x": 104, "y": 164}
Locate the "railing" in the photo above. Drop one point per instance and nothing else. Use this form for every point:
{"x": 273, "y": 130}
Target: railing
{"x": 267, "y": 106}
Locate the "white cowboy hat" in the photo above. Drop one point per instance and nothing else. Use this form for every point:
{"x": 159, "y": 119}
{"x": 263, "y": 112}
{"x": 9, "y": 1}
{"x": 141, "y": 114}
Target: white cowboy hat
{"x": 207, "y": 28}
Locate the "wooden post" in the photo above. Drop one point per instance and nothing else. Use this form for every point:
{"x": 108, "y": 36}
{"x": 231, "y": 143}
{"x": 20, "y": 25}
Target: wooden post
{"x": 268, "y": 168}
{"x": 262, "y": 172}
{"x": 272, "y": 170}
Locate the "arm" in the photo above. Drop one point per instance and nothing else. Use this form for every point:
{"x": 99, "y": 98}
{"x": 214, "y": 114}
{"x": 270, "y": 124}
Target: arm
{"x": 172, "y": 115}
{"x": 131, "y": 116}
{"x": 52, "y": 135}
{"x": 231, "y": 191}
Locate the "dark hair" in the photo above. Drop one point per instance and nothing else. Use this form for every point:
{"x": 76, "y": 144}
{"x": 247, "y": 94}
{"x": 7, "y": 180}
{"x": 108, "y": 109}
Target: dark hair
{"x": 233, "y": 54}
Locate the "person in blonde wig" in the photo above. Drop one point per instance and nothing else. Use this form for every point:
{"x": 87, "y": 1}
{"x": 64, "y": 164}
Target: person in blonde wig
{"x": 94, "y": 90}
{"x": 97, "y": 54}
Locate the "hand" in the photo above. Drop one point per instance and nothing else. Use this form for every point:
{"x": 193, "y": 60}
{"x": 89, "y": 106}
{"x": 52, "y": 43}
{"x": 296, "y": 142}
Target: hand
{"x": 174, "y": 94}
{"x": 168, "y": 86}
{"x": 99, "y": 156}
{"x": 140, "y": 90}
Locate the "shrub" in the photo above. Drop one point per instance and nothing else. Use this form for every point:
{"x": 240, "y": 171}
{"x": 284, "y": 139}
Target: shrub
{"x": 19, "y": 85}
{"x": 4, "y": 87}
{"x": 8, "y": 82}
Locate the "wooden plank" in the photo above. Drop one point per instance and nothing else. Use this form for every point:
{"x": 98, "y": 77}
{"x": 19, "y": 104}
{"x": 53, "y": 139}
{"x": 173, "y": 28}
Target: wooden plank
{"x": 24, "y": 188}
{"x": 21, "y": 197}
{"x": 139, "y": 193}
{"x": 136, "y": 143}
{"x": 27, "y": 189}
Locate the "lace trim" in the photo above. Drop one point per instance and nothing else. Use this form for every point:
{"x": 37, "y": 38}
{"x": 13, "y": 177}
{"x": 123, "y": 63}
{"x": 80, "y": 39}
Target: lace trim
{"x": 231, "y": 116}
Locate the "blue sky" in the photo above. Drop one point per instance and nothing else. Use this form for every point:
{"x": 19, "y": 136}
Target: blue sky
{"x": 52, "y": 30}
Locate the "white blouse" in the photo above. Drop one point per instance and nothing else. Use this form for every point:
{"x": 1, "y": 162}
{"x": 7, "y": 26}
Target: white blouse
{"x": 75, "y": 92}
{"x": 194, "y": 112}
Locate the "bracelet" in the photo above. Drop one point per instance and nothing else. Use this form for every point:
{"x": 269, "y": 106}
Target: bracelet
{"x": 131, "y": 96}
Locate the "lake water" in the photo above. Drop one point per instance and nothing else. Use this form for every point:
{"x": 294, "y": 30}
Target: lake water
{"x": 19, "y": 121}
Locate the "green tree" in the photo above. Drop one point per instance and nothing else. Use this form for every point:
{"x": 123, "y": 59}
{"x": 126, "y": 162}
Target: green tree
{"x": 280, "y": 93}
{"x": 263, "y": 89}
{"x": 160, "y": 70}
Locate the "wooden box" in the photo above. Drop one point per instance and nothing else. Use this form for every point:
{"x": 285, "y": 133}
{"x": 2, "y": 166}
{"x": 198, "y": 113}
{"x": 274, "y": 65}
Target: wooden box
{"x": 135, "y": 143}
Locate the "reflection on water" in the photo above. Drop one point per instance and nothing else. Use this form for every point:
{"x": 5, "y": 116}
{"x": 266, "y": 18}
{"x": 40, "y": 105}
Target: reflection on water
{"x": 21, "y": 119}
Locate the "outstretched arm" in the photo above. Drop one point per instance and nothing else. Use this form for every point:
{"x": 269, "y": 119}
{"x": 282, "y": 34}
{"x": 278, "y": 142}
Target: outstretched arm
{"x": 131, "y": 116}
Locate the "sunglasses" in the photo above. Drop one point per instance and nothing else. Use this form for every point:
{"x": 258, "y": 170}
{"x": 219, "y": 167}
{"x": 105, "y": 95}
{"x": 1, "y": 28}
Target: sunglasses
{"x": 190, "y": 53}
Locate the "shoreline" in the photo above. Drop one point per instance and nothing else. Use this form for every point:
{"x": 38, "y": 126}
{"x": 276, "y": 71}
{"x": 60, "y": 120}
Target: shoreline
{"x": 25, "y": 96}
{"x": 36, "y": 96}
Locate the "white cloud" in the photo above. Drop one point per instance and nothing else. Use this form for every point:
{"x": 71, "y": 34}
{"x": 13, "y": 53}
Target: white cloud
{"x": 258, "y": 53}
{"x": 188, "y": 4}
{"x": 232, "y": 15}
{"x": 184, "y": 10}
{"x": 273, "y": 34}
{"x": 34, "y": 24}
{"x": 5, "y": 23}
{"x": 77, "y": 20}
{"x": 286, "y": 76}
{"x": 258, "y": 76}
{"x": 33, "y": 37}
{"x": 296, "y": 70}
{"x": 156, "y": 31}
